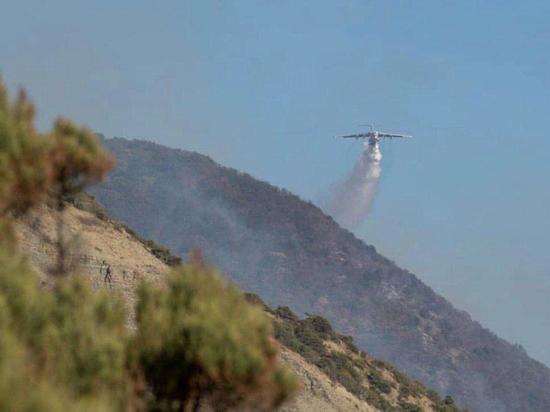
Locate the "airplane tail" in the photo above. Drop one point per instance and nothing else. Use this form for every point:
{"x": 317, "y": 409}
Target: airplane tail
{"x": 369, "y": 125}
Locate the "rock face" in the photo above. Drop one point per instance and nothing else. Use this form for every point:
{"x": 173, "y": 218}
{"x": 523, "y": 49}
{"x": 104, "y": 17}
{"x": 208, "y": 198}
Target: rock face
{"x": 94, "y": 245}
{"x": 290, "y": 253}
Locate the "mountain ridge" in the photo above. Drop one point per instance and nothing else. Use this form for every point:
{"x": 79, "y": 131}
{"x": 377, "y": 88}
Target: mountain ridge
{"x": 297, "y": 256}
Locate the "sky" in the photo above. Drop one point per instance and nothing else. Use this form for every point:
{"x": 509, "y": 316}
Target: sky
{"x": 266, "y": 86}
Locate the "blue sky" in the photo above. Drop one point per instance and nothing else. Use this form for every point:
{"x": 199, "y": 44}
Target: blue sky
{"x": 265, "y": 86}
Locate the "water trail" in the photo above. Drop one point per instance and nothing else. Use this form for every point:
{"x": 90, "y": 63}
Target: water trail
{"x": 351, "y": 200}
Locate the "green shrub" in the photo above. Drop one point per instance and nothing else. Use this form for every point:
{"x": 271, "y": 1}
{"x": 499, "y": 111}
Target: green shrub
{"x": 378, "y": 382}
{"x": 162, "y": 253}
{"x": 320, "y": 325}
{"x": 71, "y": 341}
{"x": 448, "y": 400}
{"x": 284, "y": 312}
{"x": 348, "y": 341}
{"x": 309, "y": 337}
{"x": 199, "y": 340}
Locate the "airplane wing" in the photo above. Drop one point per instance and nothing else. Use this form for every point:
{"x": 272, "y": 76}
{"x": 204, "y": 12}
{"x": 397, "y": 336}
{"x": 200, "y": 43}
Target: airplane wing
{"x": 356, "y": 136}
{"x": 391, "y": 135}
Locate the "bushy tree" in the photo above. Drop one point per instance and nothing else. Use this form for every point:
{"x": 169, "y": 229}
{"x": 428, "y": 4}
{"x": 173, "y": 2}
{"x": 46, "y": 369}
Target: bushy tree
{"x": 77, "y": 158}
{"x": 60, "y": 163}
{"x": 200, "y": 341}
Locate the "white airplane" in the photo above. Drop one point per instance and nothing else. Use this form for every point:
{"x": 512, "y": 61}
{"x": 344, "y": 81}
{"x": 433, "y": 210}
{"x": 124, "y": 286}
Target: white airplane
{"x": 374, "y": 136}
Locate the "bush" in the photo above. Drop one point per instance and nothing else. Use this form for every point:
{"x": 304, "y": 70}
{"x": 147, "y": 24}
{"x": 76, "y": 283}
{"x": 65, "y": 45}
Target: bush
{"x": 448, "y": 400}
{"x": 284, "y": 312}
{"x": 162, "y": 253}
{"x": 200, "y": 341}
{"x": 70, "y": 341}
{"x": 348, "y": 341}
{"x": 197, "y": 340}
{"x": 24, "y": 168}
{"x": 378, "y": 382}
{"x": 320, "y": 325}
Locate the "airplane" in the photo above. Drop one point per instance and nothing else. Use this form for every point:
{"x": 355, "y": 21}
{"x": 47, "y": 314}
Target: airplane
{"x": 374, "y": 136}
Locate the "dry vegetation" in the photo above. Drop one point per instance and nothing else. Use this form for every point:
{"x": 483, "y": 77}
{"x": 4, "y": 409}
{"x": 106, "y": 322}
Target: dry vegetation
{"x": 377, "y": 383}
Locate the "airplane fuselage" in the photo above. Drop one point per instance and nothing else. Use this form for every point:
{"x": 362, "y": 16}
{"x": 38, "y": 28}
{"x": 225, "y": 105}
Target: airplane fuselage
{"x": 374, "y": 139}
{"x": 374, "y": 136}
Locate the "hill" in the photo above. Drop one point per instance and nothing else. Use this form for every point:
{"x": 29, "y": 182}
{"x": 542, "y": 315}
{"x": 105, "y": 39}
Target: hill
{"x": 335, "y": 375}
{"x": 290, "y": 253}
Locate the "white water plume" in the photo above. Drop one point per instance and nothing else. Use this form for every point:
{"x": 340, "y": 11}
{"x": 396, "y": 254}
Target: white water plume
{"x": 351, "y": 200}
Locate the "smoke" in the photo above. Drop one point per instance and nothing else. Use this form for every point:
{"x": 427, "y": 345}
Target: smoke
{"x": 351, "y": 199}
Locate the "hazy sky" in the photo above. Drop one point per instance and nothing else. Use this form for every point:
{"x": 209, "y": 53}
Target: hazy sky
{"x": 265, "y": 86}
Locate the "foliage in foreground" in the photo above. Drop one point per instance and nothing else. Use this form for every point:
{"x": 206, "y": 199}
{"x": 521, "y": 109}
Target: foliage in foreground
{"x": 198, "y": 342}
{"x": 38, "y": 167}
{"x": 68, "y": 349}
{"x": 59, "y": 350}
{"x": 199, "y": 339}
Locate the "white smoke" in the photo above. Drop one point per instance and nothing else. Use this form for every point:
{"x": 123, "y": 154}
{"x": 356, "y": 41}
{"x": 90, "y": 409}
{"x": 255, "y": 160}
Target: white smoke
{"x": 351, "y": 199}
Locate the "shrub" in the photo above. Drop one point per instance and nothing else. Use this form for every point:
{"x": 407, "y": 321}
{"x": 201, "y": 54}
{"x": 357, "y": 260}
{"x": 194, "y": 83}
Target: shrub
{"x": 24, "y": 168}
{"x": 199, "y": 341}
{"x": 348, "y": 341}
{"x": 376, "y": 380}
{"x": 162, "y": 253}
{"x": 448, "y": 400}
{"x": 320, "y": 325}
{"x": 284, "y": 312}
{"x": 70, "y": 342}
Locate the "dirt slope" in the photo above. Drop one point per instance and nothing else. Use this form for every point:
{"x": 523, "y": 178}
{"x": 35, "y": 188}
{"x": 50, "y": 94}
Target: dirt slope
{"x": 94, "y": 245}
{"x": 319, "y": 393}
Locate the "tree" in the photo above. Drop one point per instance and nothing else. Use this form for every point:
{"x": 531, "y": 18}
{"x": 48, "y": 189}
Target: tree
{"x": 200, "y": 342}
{"x": 24, "y": 168}
{"x": 34, "y": 167}
{"x": 77, "y": 161}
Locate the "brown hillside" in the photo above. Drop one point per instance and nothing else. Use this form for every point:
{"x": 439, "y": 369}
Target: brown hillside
{"x": 99, "y": 241}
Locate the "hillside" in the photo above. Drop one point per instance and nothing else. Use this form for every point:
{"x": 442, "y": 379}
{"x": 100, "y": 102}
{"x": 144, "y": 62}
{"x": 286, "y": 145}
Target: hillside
{"x": 290, "y": 253}
{"x": 322, "y": 359}
{"x": 96, "y": 243}
{"x": 379, "y": 385}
